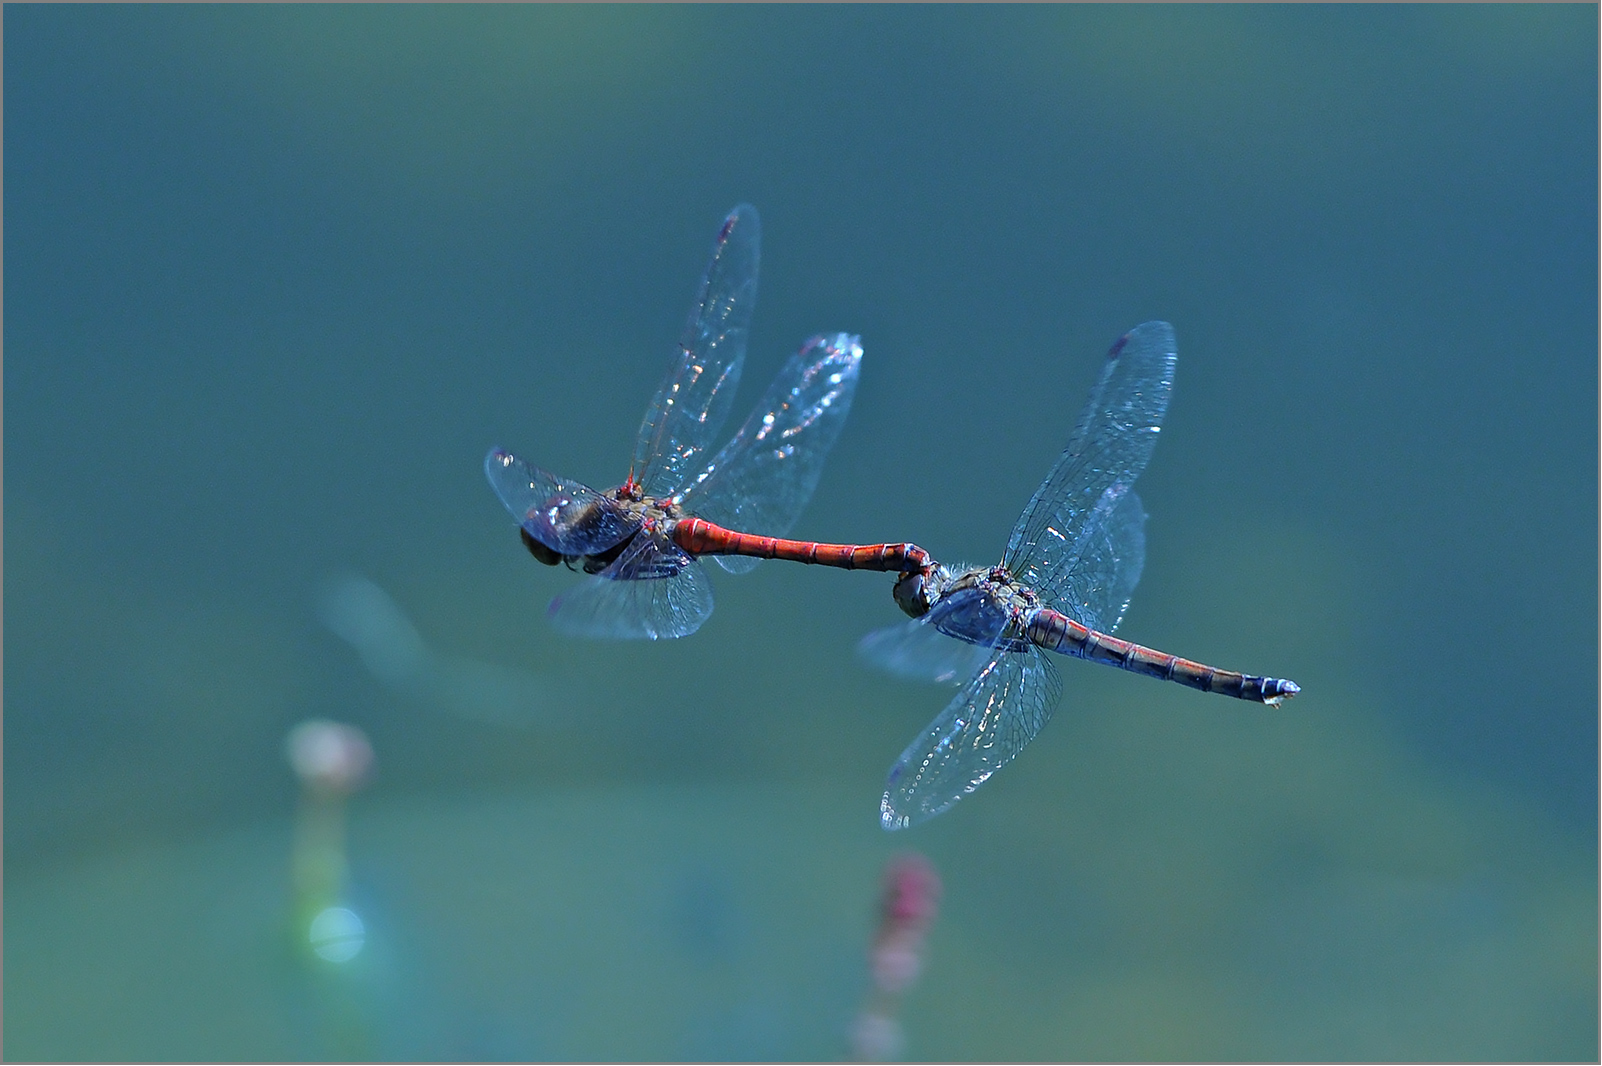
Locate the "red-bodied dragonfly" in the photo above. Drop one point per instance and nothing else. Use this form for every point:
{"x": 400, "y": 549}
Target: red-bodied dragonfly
{"x": 639, "y": 541}
{"x": 1063, "y": 585}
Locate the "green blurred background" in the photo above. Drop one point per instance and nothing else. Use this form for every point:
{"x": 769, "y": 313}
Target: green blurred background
{"x": 278, "y": 277}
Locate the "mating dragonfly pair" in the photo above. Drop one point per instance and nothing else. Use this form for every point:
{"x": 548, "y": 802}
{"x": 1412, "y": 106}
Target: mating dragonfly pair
{"x": 1062, "y": 585}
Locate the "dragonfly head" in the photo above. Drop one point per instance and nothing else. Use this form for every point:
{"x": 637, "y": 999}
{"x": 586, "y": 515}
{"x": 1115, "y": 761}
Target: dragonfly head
{"x": 920, "y": 589}
{"x": 912, "y": 592}
{"x": 556, "y": 520}
{"x": 570, "y": 525}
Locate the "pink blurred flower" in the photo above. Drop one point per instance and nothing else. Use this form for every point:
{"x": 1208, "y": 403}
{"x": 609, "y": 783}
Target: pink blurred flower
{"x": 911, "y": 901}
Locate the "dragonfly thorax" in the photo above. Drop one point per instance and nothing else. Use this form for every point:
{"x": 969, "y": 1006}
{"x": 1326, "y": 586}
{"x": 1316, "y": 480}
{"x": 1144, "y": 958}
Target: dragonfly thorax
{"x": 650, "y": 510}
{"x": 1003, "y": 589}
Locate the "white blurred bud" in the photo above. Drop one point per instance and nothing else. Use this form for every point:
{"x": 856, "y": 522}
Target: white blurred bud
{"x": 329, "y": 756}
{"x": 895, "y": 965}
{"x": 876, "y": 1038}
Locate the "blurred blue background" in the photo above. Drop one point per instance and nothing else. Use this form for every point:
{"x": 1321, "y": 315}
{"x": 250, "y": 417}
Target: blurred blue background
{"x": 278, "y": 277}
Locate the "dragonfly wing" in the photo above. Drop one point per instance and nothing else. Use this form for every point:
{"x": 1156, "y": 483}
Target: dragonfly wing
{"x": 1094, "y": 586}
{"x": 653, "y": 591}
{"x": 950, "y": 642}
{"x": 695, "y": 397}
{"x": 566, "y": 516}
{"x": 1109, "y": 448}
{"x": 999, "y": 710}
{"x": 762, "y": 479}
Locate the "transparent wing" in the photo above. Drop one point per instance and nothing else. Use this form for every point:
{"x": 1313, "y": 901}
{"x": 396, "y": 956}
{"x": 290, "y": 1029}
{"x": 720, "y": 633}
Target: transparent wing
{"x": 1103, "y": 566}
{"x": 694, "y": 399}
{"x": 950, "y": 642}
{"x": 653, "y": 591}
{"x": 1110, "y": 446}
{"x": 999, "y": 710}
{"x": 762, "y": 479}
{"x": 566, "y": 516}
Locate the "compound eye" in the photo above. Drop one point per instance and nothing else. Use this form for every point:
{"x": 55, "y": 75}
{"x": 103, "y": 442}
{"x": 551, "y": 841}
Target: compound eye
{"x": 912, "y": 594}
{"x": 548, "y": 556}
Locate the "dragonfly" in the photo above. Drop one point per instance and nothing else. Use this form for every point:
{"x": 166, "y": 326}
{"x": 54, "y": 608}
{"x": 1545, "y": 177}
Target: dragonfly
{"x": 640, "y": 541}
{"x": 1063, "y": 585}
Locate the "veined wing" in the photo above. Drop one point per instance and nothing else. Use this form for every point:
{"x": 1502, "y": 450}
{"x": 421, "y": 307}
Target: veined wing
{"x": 1102, "y": 567}
{"x": 764, "y": 476}
{"x": 955, "y": 638}
{"x": 695, "y": 397}
{"x": 653, "y": 591}
{"x": 1110, "y": 447}
{"x": 566, "y": 516}
{"x": 999, "y": 710}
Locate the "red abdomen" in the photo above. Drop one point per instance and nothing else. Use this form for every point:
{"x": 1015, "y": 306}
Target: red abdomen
{"x": 700, "y": 537}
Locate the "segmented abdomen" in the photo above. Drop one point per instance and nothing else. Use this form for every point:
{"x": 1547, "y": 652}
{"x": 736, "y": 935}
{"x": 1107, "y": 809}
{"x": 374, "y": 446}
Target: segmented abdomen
{"x": 1055, "y": 631}
{"x": 697, "y": 536}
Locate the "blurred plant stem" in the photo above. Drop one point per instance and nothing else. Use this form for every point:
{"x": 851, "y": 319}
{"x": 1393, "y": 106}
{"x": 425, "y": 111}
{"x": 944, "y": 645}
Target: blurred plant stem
{"x": 332, "y": 761}
{"x": 319, "y": 869}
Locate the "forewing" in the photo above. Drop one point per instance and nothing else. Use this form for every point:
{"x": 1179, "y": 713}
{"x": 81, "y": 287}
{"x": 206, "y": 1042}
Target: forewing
{"x": 549, "y": 507}
{"x": 762, "y": 478}
{"x": 695, "y": 397}
{"x": 1094, "y": 585}
{"x": 999, "y": 710}
{"x": 928, "y": 648}
{"x": 1110, "y": 446}
{"x": 653, "y": 591}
